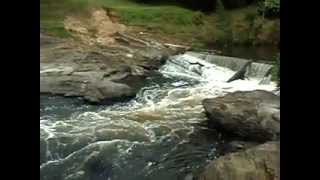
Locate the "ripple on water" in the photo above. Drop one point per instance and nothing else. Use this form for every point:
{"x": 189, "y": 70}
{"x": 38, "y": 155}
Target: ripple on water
{"x": 157, "y": 135}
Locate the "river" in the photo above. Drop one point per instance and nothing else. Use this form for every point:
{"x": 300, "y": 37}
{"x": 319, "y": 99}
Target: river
{"x": 160, "y": 134}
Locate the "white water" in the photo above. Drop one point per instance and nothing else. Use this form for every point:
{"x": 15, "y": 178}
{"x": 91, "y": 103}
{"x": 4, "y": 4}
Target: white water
{"x": 161, "y": 111}
{"x": 212, "y": 78}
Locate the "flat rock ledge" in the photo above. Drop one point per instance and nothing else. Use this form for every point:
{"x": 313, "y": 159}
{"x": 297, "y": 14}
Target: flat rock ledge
{"x": 71, "y": 68}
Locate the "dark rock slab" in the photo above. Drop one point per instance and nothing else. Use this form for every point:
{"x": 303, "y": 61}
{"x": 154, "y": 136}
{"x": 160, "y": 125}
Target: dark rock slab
{"x": 251, "y": 116}
{"x": 260, "y": 163}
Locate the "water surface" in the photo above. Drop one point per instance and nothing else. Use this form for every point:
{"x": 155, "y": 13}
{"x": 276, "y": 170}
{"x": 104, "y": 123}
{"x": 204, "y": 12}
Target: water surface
{"x": 160, "y": 134}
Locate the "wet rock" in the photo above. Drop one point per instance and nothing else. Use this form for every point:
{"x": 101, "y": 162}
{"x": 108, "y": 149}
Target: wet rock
{"x": 80, "y": 175}
{"x": 95, "y": 73}
{"x": 43, "y": 151}
{"x": 90, "y": 162}
{"x": 63, "y": 145}
{"x": 235, "y": 146}
{"x": 189, "y": 177}
{"x": 261, "y": 162}
{"x": 252, "y": 116}
{"x": 240, "y": 74}
{"x": 97, "y": 169}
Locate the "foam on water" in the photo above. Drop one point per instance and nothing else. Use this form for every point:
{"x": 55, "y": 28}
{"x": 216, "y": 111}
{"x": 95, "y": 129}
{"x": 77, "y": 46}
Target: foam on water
{"x": 161, "y": 120}
{"x": 212, "y": 81}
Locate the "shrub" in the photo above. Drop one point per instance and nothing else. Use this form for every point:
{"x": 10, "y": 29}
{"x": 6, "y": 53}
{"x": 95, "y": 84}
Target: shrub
{"x": 202, "y": 5}
{"x": 276, "y": 71}
{"x": 223, "y": 25}
{"x": 229, "y": 4}
{"x": 269, "y": 8}
{"x": 198, "y": 18}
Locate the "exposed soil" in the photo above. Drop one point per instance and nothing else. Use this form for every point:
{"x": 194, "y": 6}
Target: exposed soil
{"x": 100, "y": 27}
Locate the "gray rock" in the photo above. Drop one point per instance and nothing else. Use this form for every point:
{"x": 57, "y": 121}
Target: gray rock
{"x": 240, "y": 74}
{"x": 64, "y": 145}
{"x": 236, "y": 146}
{"x": 85, "y": 163}
{"x": 80, "y": 175}
{"x": 97, "y": 74}
{"x": 43, "y": 151}
{"x": 259, "y": 163}
{"x": 253, "y": 116}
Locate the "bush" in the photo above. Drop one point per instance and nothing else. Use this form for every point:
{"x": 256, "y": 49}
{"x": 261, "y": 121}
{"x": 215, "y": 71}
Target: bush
{"x": 198, "y": 18}
{"x": 202, "y": 5}
{"x": 269, "y": 8}
{"x": 223, "y": 25}
{"x": 229, "y": 4}
{"x": 276, "y": 71}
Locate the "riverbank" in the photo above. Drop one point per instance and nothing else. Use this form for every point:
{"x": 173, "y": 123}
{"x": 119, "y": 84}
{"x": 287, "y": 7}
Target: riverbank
{"x": 241, "y": 26}
{"x": 182, "y": 110}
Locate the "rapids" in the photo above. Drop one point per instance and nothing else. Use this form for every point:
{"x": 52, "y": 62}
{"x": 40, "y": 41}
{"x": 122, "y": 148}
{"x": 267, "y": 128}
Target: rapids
{"x": 159, "y": 134}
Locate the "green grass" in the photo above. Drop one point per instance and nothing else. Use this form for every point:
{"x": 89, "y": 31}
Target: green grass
{"x": 53, "y": 12}
{"x": 164, "y": 18}
{"x": 172, "y": 19}
{"x": 189, "y": 26}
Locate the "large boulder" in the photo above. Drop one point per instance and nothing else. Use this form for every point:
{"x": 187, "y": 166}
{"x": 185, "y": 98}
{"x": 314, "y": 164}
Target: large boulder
{"x": 259, "y": 163}
{"x": 71, "y": 68}
{"x": 250, "y": 116}
{"x": 235, "y": 146}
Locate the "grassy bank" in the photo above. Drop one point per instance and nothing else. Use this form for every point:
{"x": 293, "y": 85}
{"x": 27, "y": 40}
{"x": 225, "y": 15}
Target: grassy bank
{"x": 240, "y": 26}
{"x": 53, "y": 12}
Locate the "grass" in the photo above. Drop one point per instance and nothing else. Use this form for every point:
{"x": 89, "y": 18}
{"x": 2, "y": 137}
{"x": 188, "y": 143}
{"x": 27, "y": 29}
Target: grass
{"x": 163, "y": 18}
{"x": 189, "y": 26}
{"x": 53, "y": 12}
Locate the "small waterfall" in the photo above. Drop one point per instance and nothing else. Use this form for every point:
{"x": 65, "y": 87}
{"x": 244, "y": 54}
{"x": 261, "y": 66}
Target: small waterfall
{"x": 259, "y": 70}
{"x": 198, "y": 69}
{"x": 228, "y": 62}
{"x": 256, "y": 70}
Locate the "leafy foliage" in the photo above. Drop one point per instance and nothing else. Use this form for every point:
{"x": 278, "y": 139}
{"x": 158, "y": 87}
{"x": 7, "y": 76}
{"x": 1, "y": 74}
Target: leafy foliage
{"x": 239, "y": 27}
{"x": 223, "y": 24}
{"x": 229, "y": 4}
{"x": 276, "y": 70}
{"x": 269, "y": 8}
